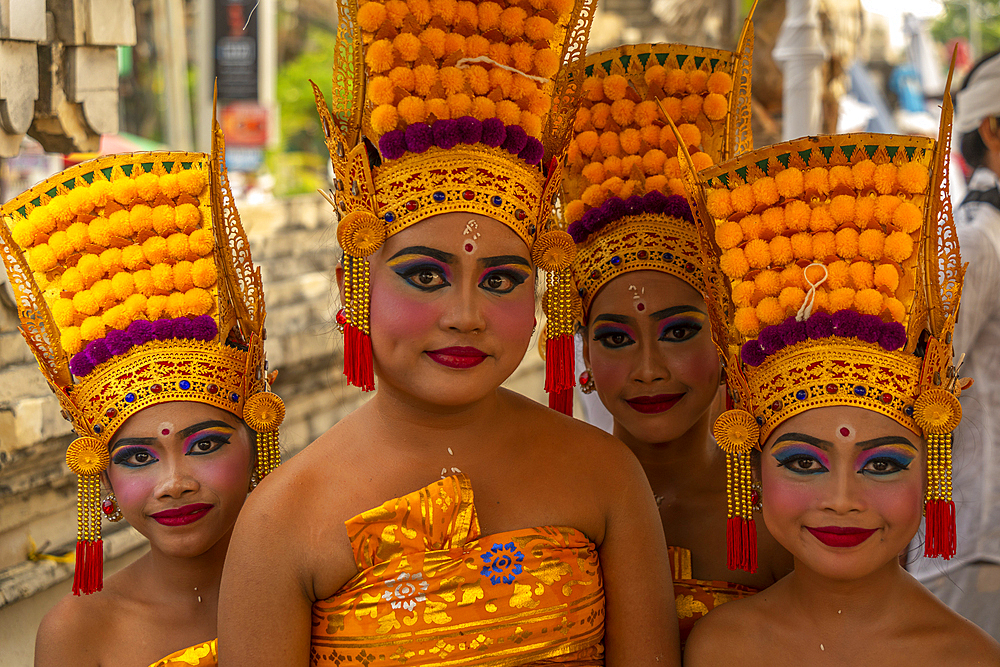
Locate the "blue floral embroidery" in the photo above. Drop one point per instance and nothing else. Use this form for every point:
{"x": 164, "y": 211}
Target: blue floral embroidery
{"x": 502, "y": 562}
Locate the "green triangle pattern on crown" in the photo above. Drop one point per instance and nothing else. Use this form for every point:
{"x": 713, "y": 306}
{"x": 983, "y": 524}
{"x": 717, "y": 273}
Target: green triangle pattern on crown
{"x": 681, "y": 59}
{"x": 891, "y": 151}
{"x": 643, "y": 58}
{"x": 849, "y": 150}
{"x": 662, "y": 57}
{"x": 805, "y": 155}
{"x": 713, "y": 63}
{"x": 107, "y": 172}
{"x": 724, "y": 179}
{"x": 783, "y": 159}
{"x": 871, "y": 150}
{"x": 589, "y": 70}
{"x": 827, "y": 151}
{"x": 910, "y": 150}
{"x": 742, "y": 173}
{"x": 762, "y": 165}
{"x": 698, "y": 60}
{"x": 89, "y": 177}
{"x": 625, "y": 60}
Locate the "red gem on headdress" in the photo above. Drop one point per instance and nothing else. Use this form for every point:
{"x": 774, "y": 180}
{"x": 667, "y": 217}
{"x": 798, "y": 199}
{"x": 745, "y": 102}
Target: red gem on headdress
{"x": 831, "y": 389}
{"x": 642, "y": 254}
{"x": 886, "y": 398}
{"x": 156, "y": 388}
{"x": 689, "y": 267}
{"x": 107, "y": 507}
{"x": 213, "y": 389}
{"x": 468, "y": 195}
{"x": 111, "y": 413}
{"x": 595, "y": 274}
{"x": 776, "y": 406}
{"x": 412, "y": 205}
{"x": 520, "y": 214}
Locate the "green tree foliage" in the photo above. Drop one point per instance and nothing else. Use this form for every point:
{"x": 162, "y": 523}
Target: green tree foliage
{"x": 954, "y": 23}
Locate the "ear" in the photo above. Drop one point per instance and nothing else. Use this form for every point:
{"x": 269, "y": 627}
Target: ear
{"x": 989, "y": 135}
{"x": 339, "y": 273}
{"x": 585, "y": 351}
{"x": 106, "y": 481}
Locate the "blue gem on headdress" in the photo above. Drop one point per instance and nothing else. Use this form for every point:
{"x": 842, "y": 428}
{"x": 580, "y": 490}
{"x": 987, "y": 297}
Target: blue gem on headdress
{"x": 860, "y": 391}
{"x": 184, "y": 384}
{"x": 908, "y": 411}
{"x": 130, "y": 397}
{"x": 801, "y": 395}
{"x": 98, "y": 428}
{"x": 496, "y": 200}
{"x": 668, "y": 257}
{"x": 389, "y": 216}
{"x": 582, "y": 292}
{"x": 234, "y": 397}
{"x": 438, "y": 196}
{"x": 760, "y": 421}
{"x": 616, "y": 260}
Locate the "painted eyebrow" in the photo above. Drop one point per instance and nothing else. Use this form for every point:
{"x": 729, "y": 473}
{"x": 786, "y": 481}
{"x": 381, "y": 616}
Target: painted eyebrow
{"x": 133, "y": 442}
{"x": 202, "y": 426}
{"x": 674, "y": 310}
{"x": 609, "y": 317}
{"x": 434, "y": 253}
{"x": 802, "y": 437}
{"x": 885, "y": 440}
{"x": 501, "y": 260}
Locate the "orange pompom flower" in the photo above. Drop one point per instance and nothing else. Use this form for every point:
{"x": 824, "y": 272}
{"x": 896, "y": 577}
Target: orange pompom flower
{"x": 102, "y": 194}
{"x": 57, "y": 211}
{"x": 79, "y": 200}
{"x": 701, "y": 160}
{"x": 508, "y": 112}
{"x": 380, "y": 55}
{"x": 574, "y": 211}
{"x": 820, "y": 220}
{"x": 123, "y": 285}
{"x": 790, "y": 183}
{"x": 765, "y": 191}
{"x": 187, "y": 218}
{"x": 868, "y": 302}
{"x": 41, "y": 258}
{"x": 631, "y": 141}
{"x": 841, "y": 177}
{"x": 403, "y": 77}
{"x": 746, "y": 321}
{"x": 886, "y": 278}
{"x": 802, "y": 245}
{"x": 148, "y": 186}
{"x": 192, "y": 182}
{"x": 163, "y": 277}
{"x": 719, "y": 83}
{"x": 862, "y": 275}
{"x": 164, "y": 220}
{"x": 600, "y": 114}
{"x": 691, "y": 107}
{"x": 111, "y": 261}
{"x": 864, "y": 211}
{"x": 406, "y": 45}
{"x": 715, "y": 107}
{"x": 734, "y": 263}
{"x": 156, "y": 306}
{"x": 791, "y": 299}
{"x": 757, "y": 253}
{"x": 531, "y": 124}
{"x": 651, "y": 135}
{"x": 646, "y": 113}
{"x": 770, "y": 311}
{"x": 371, "y": 16}
{"x": 155, "y": 250}
{"x": 781, "y": 251}
{"x": 657, "y": 182}
{"x": 124, "y": 191}
{"x": 116, "y": 318}
{"x": 384, "y": 118}
{"x": 885, "y": 178}
{"x": 817, "y": 180}
{"x": 133, "y": 257}
{"x": 675, "y": 83}
{"x": 838, "y": 274}
{"x": 175, "y": 305}
{"x": 200, "y": 242}
{"x": 140, "y": 219}
{"x": 582, "y": 121}
{"x": 864, "y": 175}
{"x": 135, "y": 305}
{"x": 697, "y": 82}
{"x": 615, "y": 86}
{"x": 86, "y": 303}
{"x": 797, "y": 215}
{"x": 792, "y": 276}
{"x": 907, "y": 217}
{"x": 744, "y": 293}
{"x": 613, "y": 163}
{"x": 538, "y": 28}
{"x": 898, "y": 246}
{"x": 60, "y": 245}
{"x": 728, "y": 235}
{"x": 511, "y": 21}
{"x": 823, "y": 245}
{"x": 768, "y": 283}
{"x": 594, "y": 195}
{"x": 143, "y": 281}
{"x": 198, "y": 302}
{"x": 425, "y": 76}
{"x": 594, "y": 172}
{"x": 613, "y": 186}
{"x": 847, "y": 243}
{"x": 622, "y": 111}
{"x": 412, "y": 110}
{"x": 523, "y": 56}
{"x": 719, "y": 203}
{"x": 655, "y": 75}
{"x": 773, "y": 221}
{"x": 885, "y": 207}
{"x": 913, "y": 177}
{"x": 593, "y": 89}
{"x": 841, "y": 299}
{"x": 499, "y": 53}
{"x": 743, "y": 199}
{"x": 897, "y": 311}
{"x": 182, "y": 276}
{"x": 653, "y": 161}
{"x": 587, "y": 141}
{"x": 842, "y": 209}
{"x": 750, "y": 225}
{"x": 871, "y": 243}
{"x": 459, "y": 105}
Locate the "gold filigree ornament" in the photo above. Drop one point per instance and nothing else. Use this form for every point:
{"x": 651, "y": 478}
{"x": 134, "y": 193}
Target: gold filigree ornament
{"x": 937, "y": 411}
{"x": 87, "y": 456}
{"x": 554, "y": 251}
{"x": 360, "y": 233}
{"x": 264, "y": 412}
{"x": 736, "y": 432}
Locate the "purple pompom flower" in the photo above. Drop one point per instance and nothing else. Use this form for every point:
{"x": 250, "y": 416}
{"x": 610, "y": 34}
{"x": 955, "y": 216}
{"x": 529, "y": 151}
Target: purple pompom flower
{"x": 419, "y": 137}
{"x": 80, "y": 365}
{"x": 752, "y": 353}
{"x": 494, "y": 132}
{"x": 869, "y": 328}
{"x": 845, "y": 323}
{"x": 793, "y": 331}
{"x": 770, "y": 339}
{"x": 392, "y": 145}
{"x": 141, "y": 332}
{"x": 591, "y": 220}
{"x": 163, "y": 329}
{"x": 532, "y": 152}
{"x": 516, "y": 139}
{"x": 577, "y": 231}
{"x": 118, "y": 342}
{"x": 634, "y": 205}
{"x": 893, "y": 336}
{"x": 470, "y": 129}
{"x": 446, "y": 133}
{"x": 655, "y": 201}
{"x": 204, "y": 328}
{"x": 678, "y": 207}
{"x": 183, "y": 328}
{"x": 98, "y": 352}
{"x": 614, "y": 209}
{"x": 819, "y": 325}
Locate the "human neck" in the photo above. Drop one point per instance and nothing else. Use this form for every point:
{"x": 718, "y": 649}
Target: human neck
{"x": 871, "y": 599}
{"x": 679, "y": 461}
{"x": 420, "y": 418}
{"x": 192, "y": 579}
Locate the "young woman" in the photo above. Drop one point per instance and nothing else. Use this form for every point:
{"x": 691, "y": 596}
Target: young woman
{"x": 846, "y": 383}
{"x": 449, "y": 521}
{"x": 647, "y": 342}
{"x": 150, "y": 332}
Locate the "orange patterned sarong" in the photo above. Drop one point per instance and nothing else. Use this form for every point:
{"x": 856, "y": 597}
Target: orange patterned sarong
{"x": 431, "y": 589}
{"x": 201, "y": 655}
{"x": 697, "y": 597}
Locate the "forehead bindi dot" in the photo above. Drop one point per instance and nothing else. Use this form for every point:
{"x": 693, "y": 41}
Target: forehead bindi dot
{"x": 844, "y": 431}
{"x": 165, "y": 431}
{"x": 469, "y": 247}
{"x": 640, "y": 306}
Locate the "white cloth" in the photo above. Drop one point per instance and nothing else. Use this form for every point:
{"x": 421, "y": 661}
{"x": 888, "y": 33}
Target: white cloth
{"x": 976, "y": 455}
{"x": 980, "y": 99}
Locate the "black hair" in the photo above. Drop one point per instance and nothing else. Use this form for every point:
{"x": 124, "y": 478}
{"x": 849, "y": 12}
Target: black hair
{"x": 972, "y": 147}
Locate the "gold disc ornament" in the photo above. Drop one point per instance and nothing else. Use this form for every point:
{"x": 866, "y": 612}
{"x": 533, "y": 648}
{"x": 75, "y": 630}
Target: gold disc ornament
{"x": 736, "y": 431}
{"x": 87, "y": 456}
{"x": 360, "y": 233}
{"x": 264, "y": 412}
{"x": 937, "y": 411}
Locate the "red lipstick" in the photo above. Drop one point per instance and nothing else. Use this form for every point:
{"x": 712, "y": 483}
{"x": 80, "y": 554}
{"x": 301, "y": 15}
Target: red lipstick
{"x": 182, "y": 515}
{"x": 649, "y": 405}
{"x": 458, "y": 357}
{"x": 841, "y": 536}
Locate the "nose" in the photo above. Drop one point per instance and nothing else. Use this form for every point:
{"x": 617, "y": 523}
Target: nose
{"x": 650, "y": 366}
{"x": 844, "y": 493}
{"x": 177, "y": 479}
{"x": 463, "y": 312}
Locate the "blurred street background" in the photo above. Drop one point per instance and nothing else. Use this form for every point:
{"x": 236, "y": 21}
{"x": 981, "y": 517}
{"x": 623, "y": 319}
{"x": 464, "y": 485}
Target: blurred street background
{"x": 81, "y": 78}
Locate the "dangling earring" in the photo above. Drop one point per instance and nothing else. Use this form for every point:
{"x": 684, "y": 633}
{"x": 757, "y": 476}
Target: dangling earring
{"x": 254, "y": 480}
{"x": 110, "y": 508}
{"x": 757, "y": 497}
{"x": 587, "y": 382}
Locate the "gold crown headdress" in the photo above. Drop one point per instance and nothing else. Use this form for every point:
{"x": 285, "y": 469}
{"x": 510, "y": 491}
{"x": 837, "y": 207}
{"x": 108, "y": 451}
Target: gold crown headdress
{"x": 834, "y": 273}
{"x": 622, "y": 193}
{"x": 134, "y": 286}
{"x": 470, "y": 107}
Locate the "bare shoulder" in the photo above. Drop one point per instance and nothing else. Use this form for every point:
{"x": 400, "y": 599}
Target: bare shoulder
{"x": 74, "y": 630}
{"x": 729, "y": 632}
{"x": 951, "y": 638}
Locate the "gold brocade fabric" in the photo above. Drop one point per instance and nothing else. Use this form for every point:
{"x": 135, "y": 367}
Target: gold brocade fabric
{"x": 697, "y": 597}
{"x": 201, "y": 655}
{"x": 431, "y": 589}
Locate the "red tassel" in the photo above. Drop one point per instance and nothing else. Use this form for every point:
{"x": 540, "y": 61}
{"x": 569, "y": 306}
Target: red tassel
{"x": 751, "y": 545}
{"x": 562, "y": 401}
{"x": 358, "y": 367}
{"x": 88, "y": 571}
{"x": 741, "y": 544}
{"x": 940, "y": 522}
{"x": 560, "y": 364}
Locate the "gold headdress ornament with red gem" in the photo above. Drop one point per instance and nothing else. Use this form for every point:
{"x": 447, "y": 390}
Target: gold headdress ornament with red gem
{"x": 443, "y": 106}
{"x": 134, "y": 286}
{"x": 834, "y": 275}
{"x": 622, "y": 194}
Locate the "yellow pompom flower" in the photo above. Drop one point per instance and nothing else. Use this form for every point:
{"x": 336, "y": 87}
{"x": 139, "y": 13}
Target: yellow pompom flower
{"x": 163, "y": 277}
{"x": 70, "y": 340}
{"x": 838, "y": 275}
{"x": 817, "y": 181}
{"x": 864, "y": 175}
{"x": 744, "y": 293}
{"x": 791, "y": 299}
{"x": 824, "y": 245}
{"x": 155, "y": 250}
{"x": 183, "y": 280}
{"x": 72, "y": 280}
{"x": 847, "y": 243}
{"x": 623, "y": 111}
{"x": 792, "y": 276}
{"x": 101, "y": 231}
{"x": 101, "y": 193}
{"x": 820, "y": 220}
{"x": 116, "y": 317}
{"x": 715, "y": 106}
{"x": 841, "y": 299}
{"x": 797, "y": 215}
{"x": 886, "y": 278}
{"x": 841, "y": 177}
{"x": 719, "y": 203}
{"x": 384, "y": 118}
{"x": 103, "y": 293}
{"x": 790, "y": 183}
{"x": 371, "y": 16}
{"x": 539, "y": 29}
{"x": 156, "y": 307}
{"x": 123, "y": 285}
{"x": 802, "y": 245}
{"x": 781, "y": 251}
{"x": 148, "y": 186}
{"x": 63, "y": 312}
{"x": 79, "y": 200}
{"x": 187, "y": 218}
{"x": 170, "y": 186}
{"x": 864, "y": 211}
{"x": 746, "y": 321}
{"x": 734, "y": 263}
{"x": 885, "y": 178}
{"x": 871, "y": 243}
{"x": 198, "y": 302}
{"x": 57, "y": 212}
{"x": 862, "y": 275}
{"x": 767, "y": 283}
{"x": 772, "y": 221}
{"x": 140, "y": 219}
{"x": 531, "y": 124}
{"x": 135, "y": 305}
{"x": 898, "y": 246}
{"x": 175, "y": 305}
{"x": 907, "y": 217}
{"x": 133, "y": 257}
{"x": 913, "y": 177}
{"x": 143, "y": 281}
{"x": 508, "y": 112}
{"x": 676, "y": 82}
{"x": 24, "y": 233}
{"x": 60, "y": 245}
{"x": 86, "y": 303}
{"x": 92, "y": 328}
{"x": 120, "y": 222}
{"x": 78, "y": 235}
{"x": 770, "y": 311}
{"x": 842, "y": 209}
{"x": 750, "y": 225}
{"x": 178, "y": 246}
{"x": 412, "y": 110}
{"x": 124, "y": 191}
{"x": 164, "y": 220}
{"x": 897, "y": 311}
{"x": 743, "y": 199}
{"x": 91, "y": 269}
{"x": 868, "y": 302}
{"x": 757, "y": 253}
{"x": 765, "y": 192}
{"x": 728, "y": 235}
{"x": 41, "y": 258}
